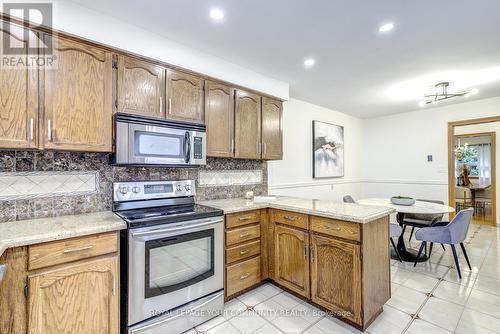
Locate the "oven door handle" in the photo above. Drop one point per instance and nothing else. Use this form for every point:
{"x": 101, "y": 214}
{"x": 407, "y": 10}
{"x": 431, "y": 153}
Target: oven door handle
{"x": 187, "y": 145}
{"x": 173, "y": 229}
{"x": 181, "y": 314}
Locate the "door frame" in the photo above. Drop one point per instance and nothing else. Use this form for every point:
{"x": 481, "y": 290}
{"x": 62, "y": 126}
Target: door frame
{"x": 451, "y": 160}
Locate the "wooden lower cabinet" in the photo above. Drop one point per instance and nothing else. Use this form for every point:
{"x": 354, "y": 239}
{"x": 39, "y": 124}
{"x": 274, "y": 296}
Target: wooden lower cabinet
{"x": 336, "y": 276}
{"x": 292, "y": 259}
{"x": 80, "y": 298}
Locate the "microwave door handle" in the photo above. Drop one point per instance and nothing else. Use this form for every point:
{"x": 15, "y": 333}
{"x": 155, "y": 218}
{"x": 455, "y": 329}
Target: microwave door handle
{"x": 187, "y": 144}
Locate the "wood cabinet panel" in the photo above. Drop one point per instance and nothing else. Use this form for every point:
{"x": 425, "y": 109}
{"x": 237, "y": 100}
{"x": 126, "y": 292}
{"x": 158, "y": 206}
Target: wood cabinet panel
{"x": 242, "y": 276}
{"x": 81, "y": 298}
{"x": 141, "y": 87}
{"x": 336, "y": 276}
{"x": 292, "y": 259}
{"x": 294, "y": 219}
{"x": 219, "y": 118}
{"x": 272, "y": 129}
{"x": 68, "y": 250}
{"x": 78, "y": 103}
{"x": 247, "y": 125}
{"x": 18, "y": 96}
{"x": 242, "y": 234}
{"x": 336, "y": 228}
{"x": 243, "y": 251}
{"x": 185, "y": 97}
{"x": 242, "y": 218}
{"x": 13, "y": 318}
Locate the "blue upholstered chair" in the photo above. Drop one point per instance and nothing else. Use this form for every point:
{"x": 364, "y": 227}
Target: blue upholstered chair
{"x": 394, "y": 231}
{"x": 451, "y": 233}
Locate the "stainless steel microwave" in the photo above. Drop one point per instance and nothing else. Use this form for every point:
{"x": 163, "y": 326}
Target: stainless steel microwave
{"x": 141, "y": 141}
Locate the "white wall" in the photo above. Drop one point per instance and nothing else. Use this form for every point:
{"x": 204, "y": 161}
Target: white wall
{"x": 292, "y": 176}
{"x": 75, "y": 19}
{"x": 396, "y": 148}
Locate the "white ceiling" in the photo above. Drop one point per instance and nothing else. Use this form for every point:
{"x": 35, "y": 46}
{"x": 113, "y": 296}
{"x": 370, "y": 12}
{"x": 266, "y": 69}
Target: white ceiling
{"x": 356, "y": 66}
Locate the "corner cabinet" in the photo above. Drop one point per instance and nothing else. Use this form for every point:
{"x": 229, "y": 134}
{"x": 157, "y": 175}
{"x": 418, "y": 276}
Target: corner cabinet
{"x": 80, "y": 298}
{"x": 78, "y": 98}
{"x": 247, "y": 125}
{"x": 219, "y": 118}
{"x": 18, "y": 98}
{"x": 140, "y": 88}
{"x": 272, "y": 129}
{"x": 292, "y": 259}
{"x": 185, "y": 97}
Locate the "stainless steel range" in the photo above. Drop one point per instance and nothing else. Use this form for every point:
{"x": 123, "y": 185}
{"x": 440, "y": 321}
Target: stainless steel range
{"x": 172, "y": 257}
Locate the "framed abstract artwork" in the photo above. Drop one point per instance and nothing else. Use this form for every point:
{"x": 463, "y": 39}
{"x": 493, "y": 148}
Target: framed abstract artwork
{"x": 328, "y": 150}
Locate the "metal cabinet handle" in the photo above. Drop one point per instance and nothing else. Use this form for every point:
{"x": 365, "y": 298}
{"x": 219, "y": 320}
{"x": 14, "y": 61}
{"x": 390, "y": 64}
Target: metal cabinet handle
{"x": 32, "y": 129}
{"x": 49, "y": 130}
{"x": 264, "y": 149}
{"x": 242, "y": 277}
{"x": 74, "y": 250}
{"x": 305, "y": 252}
{"x": 330, "y": 227}
{"x": 3, "y": 269}
{"x": 245, "y": 218}
{"x": 169, "y": 106}
{"x": 291, "y": 218}
{"x": 244, "y": 235}
{"x": 232, "y": 145}
{"x": 312, "y": 254}
{"x": 161, "y": 104}
{"x": 243, "y": 252}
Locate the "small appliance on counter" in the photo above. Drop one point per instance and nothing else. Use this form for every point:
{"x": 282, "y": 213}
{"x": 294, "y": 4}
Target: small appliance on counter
{"x": 171, "y": 257}
{"x": 144, "y": 141}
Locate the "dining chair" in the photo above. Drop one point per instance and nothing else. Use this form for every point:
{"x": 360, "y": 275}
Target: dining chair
{"x": 422, "y": 220}
{"x": 394, "y": 229}
{"x": 483, "y": 199}
{"x": 451, "y": 233}
{"x": 463, "y": 198}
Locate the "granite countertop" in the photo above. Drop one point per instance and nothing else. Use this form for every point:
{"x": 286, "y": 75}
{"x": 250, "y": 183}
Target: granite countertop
{"x": 356, "y": 213}
{"x": 34, "y": 231}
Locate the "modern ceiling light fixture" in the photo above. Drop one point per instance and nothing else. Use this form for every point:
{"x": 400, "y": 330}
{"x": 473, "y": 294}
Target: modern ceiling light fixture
{"x": 386, "y": 27}
{"x": 217, "y": 14}
{"x": 443, "y": 94}
{"x": 309, "y": 62}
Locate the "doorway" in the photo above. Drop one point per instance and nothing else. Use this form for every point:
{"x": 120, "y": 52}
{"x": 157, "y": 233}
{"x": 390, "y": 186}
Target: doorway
{"x": 472, "y": 167}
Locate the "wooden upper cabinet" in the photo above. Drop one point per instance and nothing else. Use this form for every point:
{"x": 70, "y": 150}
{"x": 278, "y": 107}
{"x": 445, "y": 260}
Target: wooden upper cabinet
{"x": 18, "y": 96}
{"x": 141, "y": 88}
{"x": 79, "y": 298}
{"x": 291, "y": 248}
{"x": 78, "y": 100}
{"x": 185, "y": 97}
{"x": 272, "y": 129}
{"x": 336, "y": 276}
{"x": 247, "y": 125}
{"x": 219, "y": 118}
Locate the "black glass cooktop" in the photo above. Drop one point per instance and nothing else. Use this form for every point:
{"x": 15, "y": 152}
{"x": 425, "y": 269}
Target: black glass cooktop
{"x": 167, "y": 214}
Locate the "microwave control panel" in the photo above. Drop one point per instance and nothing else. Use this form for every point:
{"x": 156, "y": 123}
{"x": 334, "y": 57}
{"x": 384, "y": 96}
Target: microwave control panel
{"x": 198, "y": 147}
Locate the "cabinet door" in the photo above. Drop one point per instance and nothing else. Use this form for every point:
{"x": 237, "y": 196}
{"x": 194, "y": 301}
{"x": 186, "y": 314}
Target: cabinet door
{"x": 140, "y": 87}
{"x": 291, "y": 258}
{"x": 336, "y": 276}
{"x": 78, "y": 98}
{"x": 79, "y": 298}
{"x": 185, "y": 97}
{"x": 272, "y": 129}
{"x": 18, "y": 95}
{"x": 219, "y": 118}
{"x": 247, "y": 125}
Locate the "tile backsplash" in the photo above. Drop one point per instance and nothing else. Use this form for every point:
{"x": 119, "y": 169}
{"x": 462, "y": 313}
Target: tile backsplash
{"x": 35, "y": 184}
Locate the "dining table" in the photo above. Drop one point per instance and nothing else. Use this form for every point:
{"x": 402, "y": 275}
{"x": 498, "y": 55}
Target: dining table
{"x": 420, "y": 207}
{"x": 475, "y": 187}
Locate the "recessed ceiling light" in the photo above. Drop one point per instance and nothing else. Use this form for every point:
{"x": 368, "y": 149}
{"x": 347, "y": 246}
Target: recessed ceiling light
{"x": 217, "y": 14}
{"x": 474, "y": 91}
{"x": 309, "y": 62}
{"x": 386, "y": 27}
{"x": 421, "y": 104}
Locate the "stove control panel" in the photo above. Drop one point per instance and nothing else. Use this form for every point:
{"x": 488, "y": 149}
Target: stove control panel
{"x": 135, "y": 191}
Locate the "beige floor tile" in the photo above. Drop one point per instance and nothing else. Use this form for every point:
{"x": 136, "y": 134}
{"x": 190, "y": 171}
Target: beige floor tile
{"x": 488, "y": 284}
{"x": 210, "y": 324}
{"x": 286, "y": 299}
{"x": 468, "y": 278}
{"x": 252, "y": 298}
{"x": 269, "y": 290}
{"x": 270, "y": 309}
{"x": 421, "y": 282}
{"x": 474, "y": 322}
{"x": 431, "y": 269}
{"x": 484, "y": 302}
{"x": 291, "y": 325}
{"x": 233, "y": 308}
{"x": 452, "y": 292}
{"x": 441, "y": 313}
{"x": 267, "y": 329}
{"x": 407, "y": 300}
{"x": 391, "y": 321}
{"x": 332, "y": 325}
{"x": 224, "y": 328}
{"x": 399, "y": 275}
{"x": 308, "y": 312}
{"x": 248, "y": 322}
{"x": 423, "y": 327}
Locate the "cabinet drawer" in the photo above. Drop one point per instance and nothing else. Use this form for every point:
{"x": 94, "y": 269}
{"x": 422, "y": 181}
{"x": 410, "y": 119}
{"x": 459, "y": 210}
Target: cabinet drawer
{"x": 242, "y": 275}
{"x": 243, "y": 251}
{"x": 336, "y": 228}
{"x": 69, "y": 250}
{"x": 242, "y": 234}
{"x": 291, "y": 218}
{"x": 242, "y": 218}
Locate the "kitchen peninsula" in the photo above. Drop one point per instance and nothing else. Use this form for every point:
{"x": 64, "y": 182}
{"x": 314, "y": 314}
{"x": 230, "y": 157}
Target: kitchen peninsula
{"x": 334, "y": 255}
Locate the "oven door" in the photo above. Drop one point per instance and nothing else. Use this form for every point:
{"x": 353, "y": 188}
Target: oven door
{"x": 173, "y": 264}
